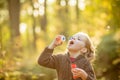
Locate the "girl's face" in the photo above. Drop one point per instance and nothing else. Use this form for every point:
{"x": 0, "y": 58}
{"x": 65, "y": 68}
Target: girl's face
{"x": 76, "y": 43}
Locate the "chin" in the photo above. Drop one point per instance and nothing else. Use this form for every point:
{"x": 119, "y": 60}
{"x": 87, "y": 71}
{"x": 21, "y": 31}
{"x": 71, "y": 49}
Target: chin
{"x": 70, "y": 49}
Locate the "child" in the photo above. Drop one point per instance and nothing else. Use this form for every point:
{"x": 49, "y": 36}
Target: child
{"x": 80, "y": 53}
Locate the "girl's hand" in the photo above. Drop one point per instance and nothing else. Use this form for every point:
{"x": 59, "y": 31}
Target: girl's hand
{"x": 79, "y": 73}
{"x": 57, "y": 41}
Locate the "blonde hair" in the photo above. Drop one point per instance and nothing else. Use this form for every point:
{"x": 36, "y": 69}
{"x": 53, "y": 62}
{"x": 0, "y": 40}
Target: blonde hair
{"x": 90, "y": 54}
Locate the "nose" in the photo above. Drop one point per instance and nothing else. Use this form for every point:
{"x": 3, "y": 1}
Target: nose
{"x": 71, "y": 38}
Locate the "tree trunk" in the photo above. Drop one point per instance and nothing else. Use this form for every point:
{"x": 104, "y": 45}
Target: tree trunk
{"x": 44, "y": 17}
{"x": 58, "y": 2}
{"x": 77, "y": 10}
{"x": 14, "y": 13}
{"x": 33, "y": 27}
{"x": 66, "y": 7}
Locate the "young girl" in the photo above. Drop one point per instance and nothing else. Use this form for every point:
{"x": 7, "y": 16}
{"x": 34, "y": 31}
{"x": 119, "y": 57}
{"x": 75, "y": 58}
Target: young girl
{"x": 75, "y": 64}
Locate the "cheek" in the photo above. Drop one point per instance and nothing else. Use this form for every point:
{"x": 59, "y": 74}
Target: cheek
{"x": 77, "y": 46}
{"x": 80, "y": 44}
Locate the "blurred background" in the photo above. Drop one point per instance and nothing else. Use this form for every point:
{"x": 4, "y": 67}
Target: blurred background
{"x": 28, "y": 26}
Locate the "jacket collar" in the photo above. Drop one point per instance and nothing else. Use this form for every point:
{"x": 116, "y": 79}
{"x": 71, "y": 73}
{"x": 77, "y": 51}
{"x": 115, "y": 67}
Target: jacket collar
{"x": 77, "y": 58}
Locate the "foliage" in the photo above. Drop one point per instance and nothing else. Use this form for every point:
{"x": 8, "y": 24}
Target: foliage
{"x": 108, "y": 57}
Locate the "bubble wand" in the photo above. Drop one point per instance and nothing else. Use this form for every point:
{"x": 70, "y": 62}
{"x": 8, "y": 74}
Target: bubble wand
{"x": 73, "y": 65}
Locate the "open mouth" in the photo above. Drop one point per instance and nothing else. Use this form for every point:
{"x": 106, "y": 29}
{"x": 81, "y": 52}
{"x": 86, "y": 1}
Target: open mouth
{"x": 71, "y": 42}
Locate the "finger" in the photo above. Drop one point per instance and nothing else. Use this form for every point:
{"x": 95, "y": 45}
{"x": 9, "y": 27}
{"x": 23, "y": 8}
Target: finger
{"x": 76, "y": 74}
{"x": 79, "y": 70}
{"x": 58, "y": 43}
{"x": 74, "y": 70}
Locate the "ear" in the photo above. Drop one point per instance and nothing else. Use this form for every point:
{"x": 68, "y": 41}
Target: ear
{"x": 83, "y": 50}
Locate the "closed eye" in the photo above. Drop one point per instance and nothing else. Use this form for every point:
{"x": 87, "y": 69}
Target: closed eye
{"x": 79, "y": 39}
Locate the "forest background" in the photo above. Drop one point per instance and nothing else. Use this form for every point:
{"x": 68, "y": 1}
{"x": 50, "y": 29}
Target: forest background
{"x": 28, "y": 26}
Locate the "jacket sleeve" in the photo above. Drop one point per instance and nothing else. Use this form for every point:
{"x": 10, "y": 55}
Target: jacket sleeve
{"x": 46, "y": 59}
{"x": 90, "y": 71}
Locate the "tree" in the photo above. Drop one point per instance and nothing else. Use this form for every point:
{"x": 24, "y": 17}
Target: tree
{"x": 44, "y": 17}
{"x": 34, "y": 26}
{"x": 108, "y": 51}
{"x": 14, "y": 13}
{"x": 77, "y": 9}
{"x": 108, "y": 63}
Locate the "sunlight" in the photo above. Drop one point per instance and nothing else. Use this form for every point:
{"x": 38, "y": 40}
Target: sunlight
{"x": 22, "y": 28}
{"x": 41, "y": 1}
{"x": 41, "y": 10}
{"x": 108, "y": 28}
{"x": 62, "y": 3}
{"x": 50, "y": 1}
{"x": 81, "y": 4}
{"x": 29, "y": 10}
{"x": 36, "y": 5}
{"x": 22, "y": 1}
{"x": 72, "y": 2}
{"x": 35, "y": 13}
